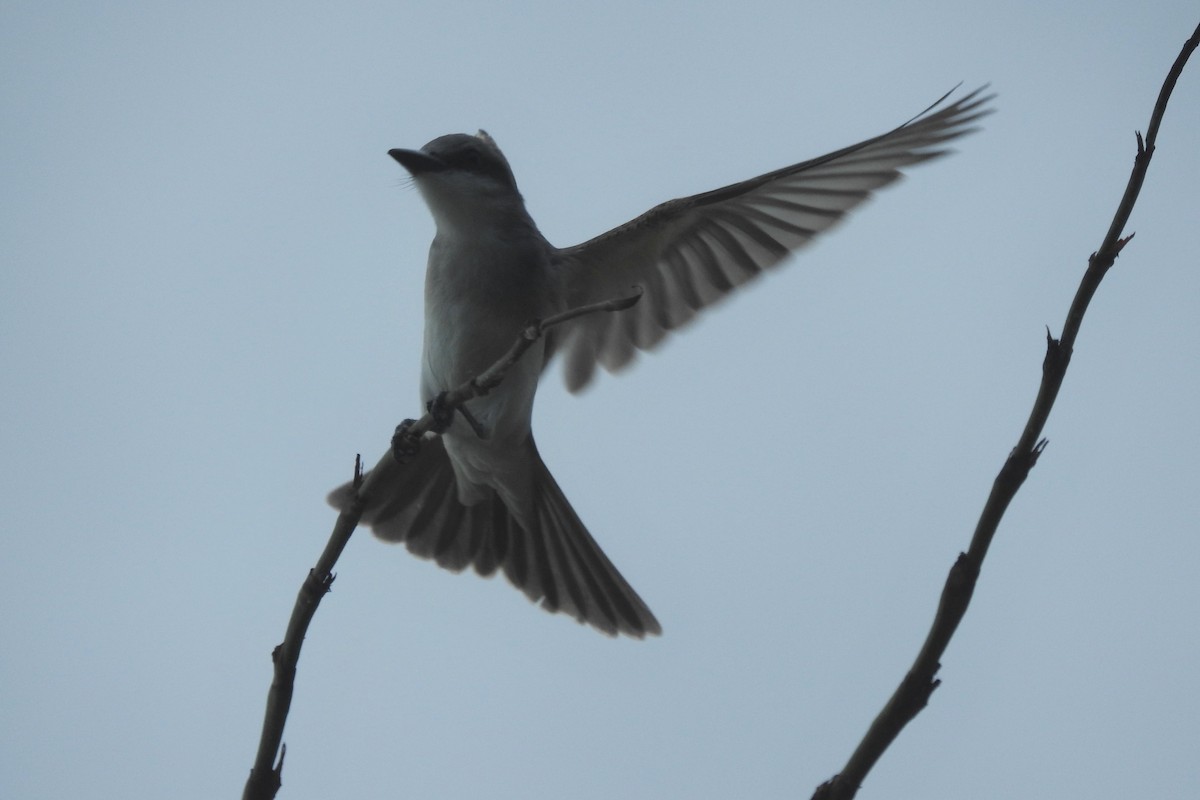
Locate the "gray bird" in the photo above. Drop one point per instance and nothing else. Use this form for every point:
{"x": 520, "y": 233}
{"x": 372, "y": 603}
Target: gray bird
{"x": 480, "y": 494}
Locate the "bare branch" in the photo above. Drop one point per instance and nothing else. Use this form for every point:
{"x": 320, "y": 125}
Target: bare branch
{"x": 265, "y": 776}
{"x": 915, "y": 689}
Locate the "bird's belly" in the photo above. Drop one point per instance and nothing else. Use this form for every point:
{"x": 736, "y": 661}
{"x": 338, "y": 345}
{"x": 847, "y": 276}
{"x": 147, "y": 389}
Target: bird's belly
{"x": 479, "y": 294}
{"x": 456, "y": 353}
{"x": 488, "y": 451}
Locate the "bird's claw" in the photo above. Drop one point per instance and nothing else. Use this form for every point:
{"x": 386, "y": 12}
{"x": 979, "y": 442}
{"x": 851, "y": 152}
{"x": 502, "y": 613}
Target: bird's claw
{"x": 404, "y": 444}
{"x": 442, "y": 414}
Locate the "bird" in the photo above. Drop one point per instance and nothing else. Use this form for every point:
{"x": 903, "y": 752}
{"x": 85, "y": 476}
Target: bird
{"x": 480, "y": 494}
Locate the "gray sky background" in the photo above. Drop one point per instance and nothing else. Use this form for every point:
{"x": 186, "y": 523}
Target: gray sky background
{"x": 210, "y": 301}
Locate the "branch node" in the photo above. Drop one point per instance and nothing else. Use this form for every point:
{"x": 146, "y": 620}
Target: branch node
{"x": 964, "y": 573}
{"x": 1056, "y": 359}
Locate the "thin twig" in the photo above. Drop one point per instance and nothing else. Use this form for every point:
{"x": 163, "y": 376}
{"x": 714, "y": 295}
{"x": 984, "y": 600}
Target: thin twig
{"x": 265, "y": 776}
{"x": 914, "y": 690}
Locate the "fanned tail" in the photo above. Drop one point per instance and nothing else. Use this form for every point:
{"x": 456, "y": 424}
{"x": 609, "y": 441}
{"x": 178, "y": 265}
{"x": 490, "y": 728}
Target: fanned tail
{"x": 551, "y": 557}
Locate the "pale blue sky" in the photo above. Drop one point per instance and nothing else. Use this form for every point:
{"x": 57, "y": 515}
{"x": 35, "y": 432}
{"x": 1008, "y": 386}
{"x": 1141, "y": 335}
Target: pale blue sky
{"x": 210, "y": 301}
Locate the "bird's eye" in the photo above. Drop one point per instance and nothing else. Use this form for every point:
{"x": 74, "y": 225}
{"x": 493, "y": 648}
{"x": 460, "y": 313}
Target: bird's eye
{"x": 471, "y": 159}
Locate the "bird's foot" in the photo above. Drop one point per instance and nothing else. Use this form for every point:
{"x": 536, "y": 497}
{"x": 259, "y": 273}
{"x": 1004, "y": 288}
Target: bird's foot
{"x": 404, "y": 444}
{"x": 442, "y": 414}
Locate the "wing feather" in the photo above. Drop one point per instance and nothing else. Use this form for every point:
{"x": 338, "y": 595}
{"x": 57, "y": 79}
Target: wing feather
{"x": 687, "y": 254}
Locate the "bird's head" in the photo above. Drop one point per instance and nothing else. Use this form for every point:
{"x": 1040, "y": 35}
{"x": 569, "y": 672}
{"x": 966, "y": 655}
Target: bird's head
{"x": 463, "y": 178}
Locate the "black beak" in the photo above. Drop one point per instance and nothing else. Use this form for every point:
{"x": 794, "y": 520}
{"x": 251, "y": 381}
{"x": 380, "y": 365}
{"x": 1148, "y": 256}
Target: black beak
{"x": 417, "y": 162}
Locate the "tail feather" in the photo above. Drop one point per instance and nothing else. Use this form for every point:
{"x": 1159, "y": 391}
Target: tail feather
{"x": 551, "y": 557}
{"x": 602, "y": 595}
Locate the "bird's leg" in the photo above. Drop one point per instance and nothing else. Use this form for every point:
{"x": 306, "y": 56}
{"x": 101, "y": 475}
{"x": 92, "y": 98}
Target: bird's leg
{"x": 475, "y": 424}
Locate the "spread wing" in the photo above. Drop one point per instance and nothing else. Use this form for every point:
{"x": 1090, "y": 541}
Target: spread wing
{"x": 688, "y": 253}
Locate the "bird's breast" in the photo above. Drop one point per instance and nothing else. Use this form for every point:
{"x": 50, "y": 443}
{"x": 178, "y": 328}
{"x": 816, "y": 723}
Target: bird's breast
{"x": 479, "y": 292}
